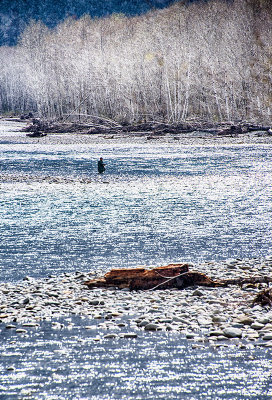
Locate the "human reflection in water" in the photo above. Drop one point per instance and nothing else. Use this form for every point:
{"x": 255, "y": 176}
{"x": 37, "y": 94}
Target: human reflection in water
{"x": 101, "y": 166}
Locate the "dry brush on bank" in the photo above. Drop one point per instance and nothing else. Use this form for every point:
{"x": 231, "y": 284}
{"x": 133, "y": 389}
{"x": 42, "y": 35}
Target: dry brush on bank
{"x": 208, "y": 60}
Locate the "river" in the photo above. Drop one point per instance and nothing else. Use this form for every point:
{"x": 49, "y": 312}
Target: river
{"x": 157, "y": 203}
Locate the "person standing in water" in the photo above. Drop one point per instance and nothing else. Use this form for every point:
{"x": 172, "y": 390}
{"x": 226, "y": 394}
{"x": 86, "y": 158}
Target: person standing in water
{"x": 101, "y": 166}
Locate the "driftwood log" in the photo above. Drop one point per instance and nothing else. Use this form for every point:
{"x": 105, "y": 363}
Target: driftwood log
{"x": 140, "y": 278}
{"x": 170, "y": 276}
{"x": 264, "y": 298}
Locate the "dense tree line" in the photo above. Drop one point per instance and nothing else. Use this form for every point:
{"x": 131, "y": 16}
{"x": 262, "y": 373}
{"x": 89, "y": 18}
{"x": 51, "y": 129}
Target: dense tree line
{"x": 209, "y": 60}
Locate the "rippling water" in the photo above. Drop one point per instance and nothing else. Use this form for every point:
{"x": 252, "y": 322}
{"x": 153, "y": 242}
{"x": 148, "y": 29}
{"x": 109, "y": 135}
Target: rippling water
{"x": 157, "y": 203}
{"x": 161, "y": 366}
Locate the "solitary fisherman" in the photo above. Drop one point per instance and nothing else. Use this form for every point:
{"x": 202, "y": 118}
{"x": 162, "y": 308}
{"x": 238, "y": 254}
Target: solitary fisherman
{"x": 101, "y": 166}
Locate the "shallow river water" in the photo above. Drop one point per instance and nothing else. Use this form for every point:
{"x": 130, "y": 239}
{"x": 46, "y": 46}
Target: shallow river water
{"x": 157, "y": 203}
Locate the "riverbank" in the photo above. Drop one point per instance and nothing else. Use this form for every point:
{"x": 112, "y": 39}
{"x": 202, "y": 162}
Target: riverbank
{"x": 78, "y": 134}
{"x": 97, "y": 125}
{"x": 217, "y": 316}
{"x": 107, "y": 127}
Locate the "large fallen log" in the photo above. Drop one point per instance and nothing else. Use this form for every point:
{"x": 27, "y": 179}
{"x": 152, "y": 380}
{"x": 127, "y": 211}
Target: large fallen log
{"x": 170, "y": 276}
{"x": 139, "y": 278}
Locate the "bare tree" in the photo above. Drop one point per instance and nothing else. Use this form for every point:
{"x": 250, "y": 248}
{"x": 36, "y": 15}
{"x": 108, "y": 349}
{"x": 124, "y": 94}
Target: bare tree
{"x": 207, "y": 60}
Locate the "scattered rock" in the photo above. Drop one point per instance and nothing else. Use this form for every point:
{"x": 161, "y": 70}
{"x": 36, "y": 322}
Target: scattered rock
{"x": 231, "y": 332}
{"x": 267, "y": 336}
{"x": 30, "y": 324}
{"x": 20, "y": 330}
{"x": 245, "y": 320}
{"x": 94, "y": 302}
{"x": 143, "y": 323}
{"x": 151, "y": 327}
{"x": 110, "y": 336}
{"x": 204, "y": 321}
{"x": 218, "y": 318}
{"x": 198, "y": 292}
{"x": 130, "y": 335}
{"x": 216, "y": 333}
{"x": 222, "y": 337}
{"x": 256, "y": 326}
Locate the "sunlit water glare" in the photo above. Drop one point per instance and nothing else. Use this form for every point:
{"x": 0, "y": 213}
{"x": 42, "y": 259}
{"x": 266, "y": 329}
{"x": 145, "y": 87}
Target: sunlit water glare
{"x": 68, "y": 364}
{"x": 157, "y": 203}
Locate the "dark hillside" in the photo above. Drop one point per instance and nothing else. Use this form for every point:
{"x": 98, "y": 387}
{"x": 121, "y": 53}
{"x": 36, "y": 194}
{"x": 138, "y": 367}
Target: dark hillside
{"x": 16, "y": 14}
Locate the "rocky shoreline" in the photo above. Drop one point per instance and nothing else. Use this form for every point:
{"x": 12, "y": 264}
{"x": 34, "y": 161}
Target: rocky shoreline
{"x": 39, "y": 128}
{"x": 217, "y": 316}
{"x": 80, "y": 134}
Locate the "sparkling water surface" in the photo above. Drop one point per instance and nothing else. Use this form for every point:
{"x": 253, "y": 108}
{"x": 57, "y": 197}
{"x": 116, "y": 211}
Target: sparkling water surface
{"x": 155, "y": 366}
{"x": 157, "y": 203}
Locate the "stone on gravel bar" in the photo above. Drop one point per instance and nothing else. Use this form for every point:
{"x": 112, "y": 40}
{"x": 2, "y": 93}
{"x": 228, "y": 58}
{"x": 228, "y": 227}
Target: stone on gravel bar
{"x": 151, "y": 327}
{"x": 216, "y": 333}
{"x": 143, "y": 323}
{"x": 245, "y": 320}
{"x": 198, "y": 292}
{"x": 267, "y": 336}
{"x": 257, "y": 326}
{"x": 231, "y": 332}
{"x": 130, "y": 335}
{"x": 110, "y": 336}
{"x": 20, "y": 330}
{"x": 30, "y": 324}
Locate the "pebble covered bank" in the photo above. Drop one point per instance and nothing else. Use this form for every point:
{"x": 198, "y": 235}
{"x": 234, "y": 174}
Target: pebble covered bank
{"x": 217, "y": 316}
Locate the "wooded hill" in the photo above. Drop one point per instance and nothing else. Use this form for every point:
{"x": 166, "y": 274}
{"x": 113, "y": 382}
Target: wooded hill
{"x": 206, "y": 60}
{"x": 15, "y": 15}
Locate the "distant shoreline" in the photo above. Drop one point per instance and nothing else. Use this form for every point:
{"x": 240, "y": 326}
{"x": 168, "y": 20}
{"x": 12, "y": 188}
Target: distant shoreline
{"x": 97, "y": 125}
{"x": 44, "y": 132}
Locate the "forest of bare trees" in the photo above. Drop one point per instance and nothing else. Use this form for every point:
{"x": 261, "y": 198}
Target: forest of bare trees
{"x": 206, "y": 60}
